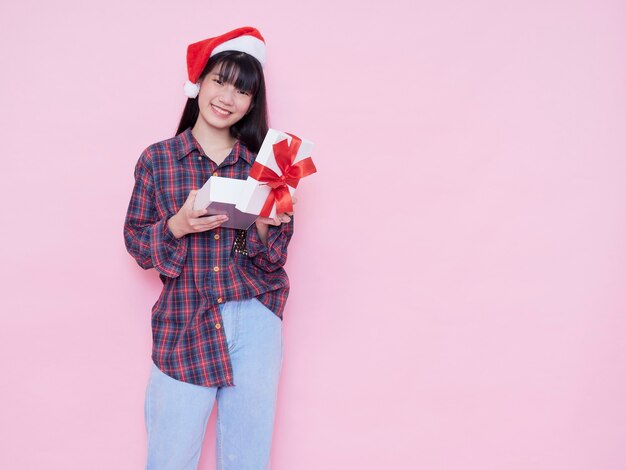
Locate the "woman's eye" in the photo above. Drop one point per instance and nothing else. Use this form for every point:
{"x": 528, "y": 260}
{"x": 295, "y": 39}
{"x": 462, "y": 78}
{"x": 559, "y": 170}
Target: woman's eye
{"x": 244, "y": 92}
{"x": 218, "y": 81}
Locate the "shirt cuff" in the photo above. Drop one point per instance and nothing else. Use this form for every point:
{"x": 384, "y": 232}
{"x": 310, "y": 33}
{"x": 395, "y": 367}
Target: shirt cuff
{"x": 255, "y": 246}
{"x": 168, "y": 252}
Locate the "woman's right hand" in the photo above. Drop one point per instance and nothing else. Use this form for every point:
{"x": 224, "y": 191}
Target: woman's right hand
{"x": 188, "y": 220}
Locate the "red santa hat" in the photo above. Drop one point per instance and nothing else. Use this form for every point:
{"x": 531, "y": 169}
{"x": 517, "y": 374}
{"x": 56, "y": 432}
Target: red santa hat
{"x": 246, "y": 39}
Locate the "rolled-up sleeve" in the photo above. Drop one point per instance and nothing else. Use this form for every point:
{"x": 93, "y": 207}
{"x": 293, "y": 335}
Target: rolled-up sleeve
{"x": 274, "y": 255}
{"x": 148, "y": 238}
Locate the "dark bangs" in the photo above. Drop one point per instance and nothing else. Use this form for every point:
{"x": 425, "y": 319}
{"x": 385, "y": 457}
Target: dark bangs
{"x": 240, "y": 71}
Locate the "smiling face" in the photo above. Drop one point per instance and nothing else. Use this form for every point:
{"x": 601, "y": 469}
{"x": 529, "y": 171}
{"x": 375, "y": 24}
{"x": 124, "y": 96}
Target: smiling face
{"x": 220, "y": 102}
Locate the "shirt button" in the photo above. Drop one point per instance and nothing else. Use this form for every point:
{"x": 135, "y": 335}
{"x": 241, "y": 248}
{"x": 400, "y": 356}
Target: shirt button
{"x": 199, "y": 158}
{"x": 220, "y": 300}
{"x": 215, "y": 173}
{"x": 216, "y": 236}
{"x": 216, "y": 268}
{"x": 218, "y": 326}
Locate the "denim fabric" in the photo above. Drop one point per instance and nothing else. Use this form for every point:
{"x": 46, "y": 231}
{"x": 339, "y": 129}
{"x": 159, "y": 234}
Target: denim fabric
{"x": 177, "y": 412}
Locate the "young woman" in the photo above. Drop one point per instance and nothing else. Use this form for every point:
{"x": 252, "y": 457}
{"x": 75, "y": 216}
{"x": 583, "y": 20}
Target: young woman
{"x": 217, "y": 325}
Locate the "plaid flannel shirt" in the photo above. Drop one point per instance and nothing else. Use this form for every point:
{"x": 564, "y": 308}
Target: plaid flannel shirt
{"x": 199, "y": 271}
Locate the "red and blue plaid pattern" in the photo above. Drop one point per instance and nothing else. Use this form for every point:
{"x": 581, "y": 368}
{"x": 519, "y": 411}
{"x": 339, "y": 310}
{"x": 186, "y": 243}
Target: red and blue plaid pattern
{"x": 202, "y": 270}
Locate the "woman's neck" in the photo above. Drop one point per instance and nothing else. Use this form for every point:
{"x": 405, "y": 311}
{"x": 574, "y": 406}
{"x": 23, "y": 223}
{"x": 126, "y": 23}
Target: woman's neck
{"x": 216, "y": 143}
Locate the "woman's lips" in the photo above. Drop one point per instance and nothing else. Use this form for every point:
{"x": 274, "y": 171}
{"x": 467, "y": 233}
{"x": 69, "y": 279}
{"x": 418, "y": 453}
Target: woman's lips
{"x": 220, "y": 111}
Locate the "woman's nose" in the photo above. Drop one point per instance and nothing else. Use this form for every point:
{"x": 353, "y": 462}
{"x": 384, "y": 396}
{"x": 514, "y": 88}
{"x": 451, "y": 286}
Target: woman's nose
{"x": 227, "y": 97}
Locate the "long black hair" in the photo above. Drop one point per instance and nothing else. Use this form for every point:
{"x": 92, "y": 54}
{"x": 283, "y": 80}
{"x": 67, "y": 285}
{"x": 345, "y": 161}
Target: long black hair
{"x": 245, "y": 73}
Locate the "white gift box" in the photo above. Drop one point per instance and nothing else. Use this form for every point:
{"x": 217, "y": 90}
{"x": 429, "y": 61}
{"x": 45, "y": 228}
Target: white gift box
{"x": 254, "y": 194}
{"x": 219, "y": 196}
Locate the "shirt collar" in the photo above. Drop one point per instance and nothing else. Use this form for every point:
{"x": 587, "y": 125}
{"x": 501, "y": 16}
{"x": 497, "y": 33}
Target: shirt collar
{"x": 189, "y": 144}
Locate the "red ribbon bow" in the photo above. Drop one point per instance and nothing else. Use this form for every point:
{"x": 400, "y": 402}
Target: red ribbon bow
{"x": 291, "y": 174}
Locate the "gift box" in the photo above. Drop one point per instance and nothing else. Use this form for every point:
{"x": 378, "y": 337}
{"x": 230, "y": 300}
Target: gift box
{"x": 220, "y": 196}
{"x": 280, "y": 164}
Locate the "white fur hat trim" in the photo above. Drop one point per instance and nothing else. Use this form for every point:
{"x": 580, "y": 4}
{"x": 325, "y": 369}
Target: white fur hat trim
{"x": 191, "y": 89}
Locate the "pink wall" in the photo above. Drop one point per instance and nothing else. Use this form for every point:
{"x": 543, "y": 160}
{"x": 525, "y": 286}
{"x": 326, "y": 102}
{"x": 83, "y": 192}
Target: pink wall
{"x": 459, "y": 265}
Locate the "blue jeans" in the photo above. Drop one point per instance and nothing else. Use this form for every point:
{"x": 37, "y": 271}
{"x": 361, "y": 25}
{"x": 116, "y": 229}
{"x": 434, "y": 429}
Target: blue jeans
{"x": 177, "y": 412}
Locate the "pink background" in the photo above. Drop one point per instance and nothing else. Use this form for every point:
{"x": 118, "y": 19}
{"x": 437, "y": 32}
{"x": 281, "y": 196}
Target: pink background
{"x": 459, "y": 264}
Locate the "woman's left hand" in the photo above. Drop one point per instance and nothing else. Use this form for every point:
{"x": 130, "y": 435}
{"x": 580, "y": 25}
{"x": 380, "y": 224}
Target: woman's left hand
{"x": 284, "y": 218}
{"x": 278, "y": 219}
{"x": 263, "y": 223}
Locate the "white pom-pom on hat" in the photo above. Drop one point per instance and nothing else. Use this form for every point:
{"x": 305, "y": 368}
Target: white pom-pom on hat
{"x": 191, "y": 89}
{"x": 246, "y": 39}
